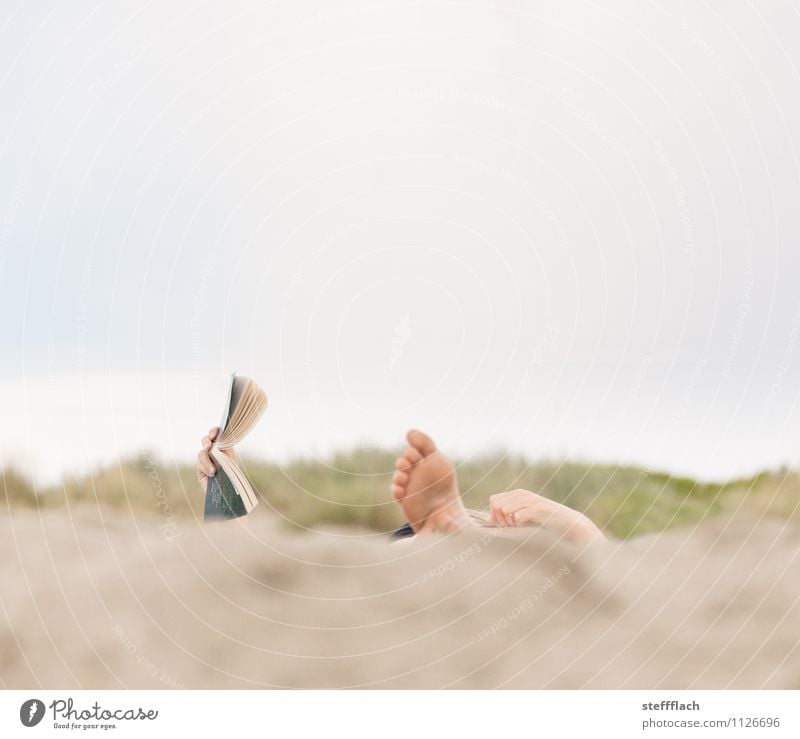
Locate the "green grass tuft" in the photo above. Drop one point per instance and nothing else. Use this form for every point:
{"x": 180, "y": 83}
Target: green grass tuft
{"x": 351, "y": 489}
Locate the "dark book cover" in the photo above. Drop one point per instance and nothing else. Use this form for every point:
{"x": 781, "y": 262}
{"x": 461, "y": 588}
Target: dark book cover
{"x": 222, "y": 500}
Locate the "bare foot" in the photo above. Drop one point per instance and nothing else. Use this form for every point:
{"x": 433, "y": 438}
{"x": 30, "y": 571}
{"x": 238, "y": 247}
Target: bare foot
{"x": 425, "y": 487}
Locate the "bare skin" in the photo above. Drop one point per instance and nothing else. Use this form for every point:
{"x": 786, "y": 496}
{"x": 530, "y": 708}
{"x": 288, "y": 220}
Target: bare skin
{"x": 205, "y": 466}
{"x": 425, "y": 487}
{"x": 524, "y": 508}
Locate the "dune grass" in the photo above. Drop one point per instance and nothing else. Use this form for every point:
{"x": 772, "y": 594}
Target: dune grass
{"x": 351, "y": 489}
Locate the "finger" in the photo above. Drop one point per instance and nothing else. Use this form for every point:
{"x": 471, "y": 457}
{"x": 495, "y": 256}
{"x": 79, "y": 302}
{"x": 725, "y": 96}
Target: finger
{"x": 208, "y": 466}
{"x": 206, "y": 443}
{"x": 498, "y": 500}
{"x": 505, "y": 503}
{"x": 504, "y": 509}
{"x": 212, "y": 434}
{"x": 512, "y": 496}
{"x": 509, "y": 512}
{"x": 204, "y": 463}
{"x": 511, "y": 506}
{"x": 523, "y": 517}
{"x": 413, "y": 455}
{"x": 495, "y": 513}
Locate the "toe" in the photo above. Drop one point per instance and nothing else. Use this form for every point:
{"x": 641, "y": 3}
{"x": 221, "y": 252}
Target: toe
{"x": 412, "y": 455}
{"x": 398, "y": 491}
{"x": 400, "y": 478}
{"x": 401, "y": 463}
{"x": 421, "y": 442}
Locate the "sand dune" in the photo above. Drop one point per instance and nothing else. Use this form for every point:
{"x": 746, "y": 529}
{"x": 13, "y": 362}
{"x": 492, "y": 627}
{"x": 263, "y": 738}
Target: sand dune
{"x": 105, "y": 601}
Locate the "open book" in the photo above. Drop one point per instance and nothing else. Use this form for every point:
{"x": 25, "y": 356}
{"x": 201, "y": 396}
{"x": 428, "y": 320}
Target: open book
{"x": 229, "y": 494}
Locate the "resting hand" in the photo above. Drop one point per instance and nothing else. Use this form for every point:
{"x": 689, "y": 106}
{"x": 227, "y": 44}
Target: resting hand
{"x": 524, "y": 508}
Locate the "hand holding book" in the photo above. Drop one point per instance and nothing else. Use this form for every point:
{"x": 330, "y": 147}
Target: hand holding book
{"x": 205, "y": 467}
{"x": 229, "y": 493}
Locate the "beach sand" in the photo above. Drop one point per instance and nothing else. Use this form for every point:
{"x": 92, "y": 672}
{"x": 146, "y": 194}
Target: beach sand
{"x": 103, "y": 600}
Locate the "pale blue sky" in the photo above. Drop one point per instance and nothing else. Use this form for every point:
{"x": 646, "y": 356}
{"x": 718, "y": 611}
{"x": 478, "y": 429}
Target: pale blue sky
{"x": 567, "y": 230}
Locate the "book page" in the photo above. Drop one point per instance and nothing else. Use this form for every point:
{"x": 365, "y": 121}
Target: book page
{"x": 237, "y": 479}
{"x": 251, "y": 402}
{"x": 229, "y": 493}
{"x": 226, "y": 413}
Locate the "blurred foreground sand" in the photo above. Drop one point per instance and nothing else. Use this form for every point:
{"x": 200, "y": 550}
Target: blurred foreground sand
{"x": 106, "y": 601}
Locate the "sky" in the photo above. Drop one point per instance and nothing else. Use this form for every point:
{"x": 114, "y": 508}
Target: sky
{"x": 568, "y": 231}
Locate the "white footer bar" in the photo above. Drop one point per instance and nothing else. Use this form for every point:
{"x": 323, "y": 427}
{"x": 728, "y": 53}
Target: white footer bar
{"x": 395, "y": 714}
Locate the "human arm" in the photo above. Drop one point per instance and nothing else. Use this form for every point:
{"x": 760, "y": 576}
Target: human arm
{"x": 525, "y": 508}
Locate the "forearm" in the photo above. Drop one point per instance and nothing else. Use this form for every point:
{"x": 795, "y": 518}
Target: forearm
{"x": 526, "y": 508}
{"x": 583, "y": 530}
{"x": 570, "y": 523}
